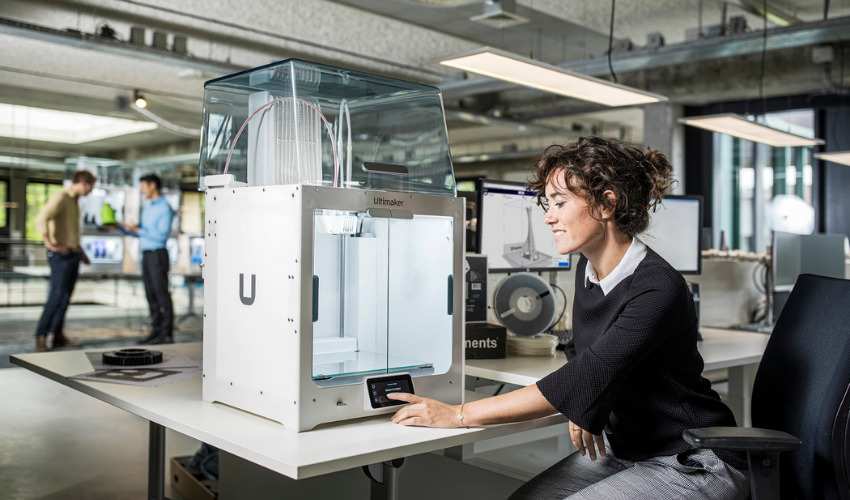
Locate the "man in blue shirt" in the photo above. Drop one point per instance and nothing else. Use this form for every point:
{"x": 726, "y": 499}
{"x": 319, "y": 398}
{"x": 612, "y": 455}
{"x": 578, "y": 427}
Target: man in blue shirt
{"x": 152, "y": 232}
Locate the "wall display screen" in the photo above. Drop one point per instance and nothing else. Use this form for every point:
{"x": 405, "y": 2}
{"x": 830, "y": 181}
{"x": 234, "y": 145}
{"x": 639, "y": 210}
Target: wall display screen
{"x": 511, "y": 231}
{"x": 104, "y": 206}
{"x": 103, "y": 249}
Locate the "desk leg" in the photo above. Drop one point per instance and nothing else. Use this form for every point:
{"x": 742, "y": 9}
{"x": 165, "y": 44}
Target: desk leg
{"x": 156, "y": 462}
{"x": 384, "y": 478}
{"x": 191, "y": 298}
{"x": 740, "y": 393}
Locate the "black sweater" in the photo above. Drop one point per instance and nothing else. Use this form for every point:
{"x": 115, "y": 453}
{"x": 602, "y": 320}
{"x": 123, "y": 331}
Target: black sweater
{"x": 634, "y": 365}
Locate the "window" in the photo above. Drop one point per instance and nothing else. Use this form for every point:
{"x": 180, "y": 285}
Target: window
{"x": 759, "y": 188}
{"x": 37, "y": 195}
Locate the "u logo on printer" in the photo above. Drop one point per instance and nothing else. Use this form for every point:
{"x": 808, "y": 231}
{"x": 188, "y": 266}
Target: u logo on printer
{"x": 247, "y": 300}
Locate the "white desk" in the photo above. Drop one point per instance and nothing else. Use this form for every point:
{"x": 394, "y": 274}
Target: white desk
{"x": 735, "y": 350}
{"x": 327, "y": 449}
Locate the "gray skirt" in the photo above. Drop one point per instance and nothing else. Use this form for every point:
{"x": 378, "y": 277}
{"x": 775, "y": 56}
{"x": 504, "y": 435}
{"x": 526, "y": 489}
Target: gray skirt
{"x": 695, "y": 474}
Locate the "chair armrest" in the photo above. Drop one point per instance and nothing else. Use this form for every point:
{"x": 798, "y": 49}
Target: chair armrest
{"x": 741, "y": 439}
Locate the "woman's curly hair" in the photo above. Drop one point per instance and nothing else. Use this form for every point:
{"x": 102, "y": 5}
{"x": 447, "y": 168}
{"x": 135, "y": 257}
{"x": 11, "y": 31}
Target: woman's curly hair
{"x": 593, "y": 165}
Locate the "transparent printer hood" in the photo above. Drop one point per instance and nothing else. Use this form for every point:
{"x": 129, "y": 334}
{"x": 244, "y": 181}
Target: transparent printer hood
{"x": 297, "y": 122}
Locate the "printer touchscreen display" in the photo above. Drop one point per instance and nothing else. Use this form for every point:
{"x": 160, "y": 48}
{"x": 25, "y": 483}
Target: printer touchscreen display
{"x": 379, "y": 388}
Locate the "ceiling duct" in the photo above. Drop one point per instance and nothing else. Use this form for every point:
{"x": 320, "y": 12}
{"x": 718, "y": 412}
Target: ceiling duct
{"x": 499, "y": 14}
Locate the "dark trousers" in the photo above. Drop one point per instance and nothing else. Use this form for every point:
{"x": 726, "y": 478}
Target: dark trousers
{"x": 155, "y": 277}
{"x": 64, "y": 270}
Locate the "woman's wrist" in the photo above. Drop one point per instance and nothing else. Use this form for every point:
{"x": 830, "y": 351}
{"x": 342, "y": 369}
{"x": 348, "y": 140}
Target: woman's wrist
{"x": 460, "y": 417}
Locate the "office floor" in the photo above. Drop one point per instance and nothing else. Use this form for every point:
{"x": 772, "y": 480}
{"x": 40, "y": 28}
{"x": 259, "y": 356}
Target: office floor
{"x": 56, "y": 443}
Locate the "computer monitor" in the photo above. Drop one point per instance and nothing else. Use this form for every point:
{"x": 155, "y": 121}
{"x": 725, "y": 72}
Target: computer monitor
{"x": 674, "y": 232}
{"x": 511, "y": 231}
{"x": 103, "y": 206}
{"x": 103, "y": 249}
{"x": 796, "y": 254}
{"x": 823, "y": 254}
{"x": 786, "y": 259}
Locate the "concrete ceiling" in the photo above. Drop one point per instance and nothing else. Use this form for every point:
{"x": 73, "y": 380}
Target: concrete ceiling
{"x": 56, "y": 55}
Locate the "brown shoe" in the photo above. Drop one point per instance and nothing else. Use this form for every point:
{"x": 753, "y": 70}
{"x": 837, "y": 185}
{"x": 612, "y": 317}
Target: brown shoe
{"x": 41, "y": 343}
{"x": 60, "y": 340}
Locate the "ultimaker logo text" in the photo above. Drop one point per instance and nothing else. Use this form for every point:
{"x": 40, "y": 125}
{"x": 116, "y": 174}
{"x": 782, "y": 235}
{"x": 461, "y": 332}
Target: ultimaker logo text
{"x": 387, "y": 202}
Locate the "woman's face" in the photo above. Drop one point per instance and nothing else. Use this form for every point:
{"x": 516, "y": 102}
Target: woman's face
{"x": 569, "y": 217}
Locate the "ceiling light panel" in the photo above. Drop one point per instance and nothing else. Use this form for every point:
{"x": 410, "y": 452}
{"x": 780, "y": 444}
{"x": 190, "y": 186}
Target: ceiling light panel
{"x": 738, "y": 126}
{"x": 842, "y": 157}
{"x": 501, "y": 65}
{"x": 36, "y": 124}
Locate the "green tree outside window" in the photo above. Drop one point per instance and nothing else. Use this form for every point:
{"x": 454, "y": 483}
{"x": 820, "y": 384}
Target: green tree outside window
{"x": 4, "y": 199}
{"x": 37, "y": 195}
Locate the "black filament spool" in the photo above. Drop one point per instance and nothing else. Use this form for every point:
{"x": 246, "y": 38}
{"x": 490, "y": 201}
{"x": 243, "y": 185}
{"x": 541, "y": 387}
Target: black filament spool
{"x": 132, "y": 356}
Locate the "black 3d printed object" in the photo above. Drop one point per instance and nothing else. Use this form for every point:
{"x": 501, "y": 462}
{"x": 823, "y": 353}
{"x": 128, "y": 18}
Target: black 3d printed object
{"x": 132, "y": 356}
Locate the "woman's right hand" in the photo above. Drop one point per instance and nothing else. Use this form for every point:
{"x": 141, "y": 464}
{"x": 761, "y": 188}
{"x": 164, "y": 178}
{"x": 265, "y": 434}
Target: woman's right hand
{"x": 587, "y": 442}
{"x": 425, "y": 412}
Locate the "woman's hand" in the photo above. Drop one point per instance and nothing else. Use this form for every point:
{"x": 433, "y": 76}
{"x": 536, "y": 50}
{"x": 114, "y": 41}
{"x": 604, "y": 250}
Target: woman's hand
{"x": 425, "y": 412}
{"x": 587, "y": 442}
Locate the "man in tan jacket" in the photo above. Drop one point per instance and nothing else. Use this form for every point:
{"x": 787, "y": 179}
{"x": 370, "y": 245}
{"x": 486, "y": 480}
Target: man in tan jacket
{"x": 59, "y": 225}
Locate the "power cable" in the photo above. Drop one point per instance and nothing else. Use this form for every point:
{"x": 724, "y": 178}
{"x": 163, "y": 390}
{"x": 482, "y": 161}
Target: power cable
{"x": 563, "y": 309}
{"x": 763, "y": 58}
{"x": 193, "y": 133}
{"x": 611, "y": 41}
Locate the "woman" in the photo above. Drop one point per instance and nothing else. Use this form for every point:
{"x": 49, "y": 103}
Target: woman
{"x": 634, "y": 371}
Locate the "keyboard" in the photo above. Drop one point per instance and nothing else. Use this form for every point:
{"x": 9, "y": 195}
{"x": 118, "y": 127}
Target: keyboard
{"x": 753, "y": 327}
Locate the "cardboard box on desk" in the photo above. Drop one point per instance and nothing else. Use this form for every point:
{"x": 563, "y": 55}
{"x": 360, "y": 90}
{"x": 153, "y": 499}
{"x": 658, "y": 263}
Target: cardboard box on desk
{"x": 486, "y": 341}
{"x": 191, "y": 487}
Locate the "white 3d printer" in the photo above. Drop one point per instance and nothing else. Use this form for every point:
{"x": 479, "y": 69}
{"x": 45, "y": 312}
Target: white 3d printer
{"x": 334, "y": 244}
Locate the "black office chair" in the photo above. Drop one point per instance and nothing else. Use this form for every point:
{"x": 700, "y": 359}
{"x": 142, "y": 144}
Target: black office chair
{"x": 801, "y": 389}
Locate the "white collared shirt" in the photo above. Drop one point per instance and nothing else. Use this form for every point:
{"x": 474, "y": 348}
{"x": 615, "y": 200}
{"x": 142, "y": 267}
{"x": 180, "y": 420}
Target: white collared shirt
{"x": 633, "y": 257}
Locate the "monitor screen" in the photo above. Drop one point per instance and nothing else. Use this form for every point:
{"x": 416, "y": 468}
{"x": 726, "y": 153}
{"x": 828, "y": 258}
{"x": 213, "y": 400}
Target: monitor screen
{"x": 786, "y": 256}
{"x": 103, "y": 249}
{"x": 511, "y": 231}
{"x": 674, "y": 232}
{"x": 796, "y": 254}
{"x": 823, "y": 254}
{"x": 103, "y": 206}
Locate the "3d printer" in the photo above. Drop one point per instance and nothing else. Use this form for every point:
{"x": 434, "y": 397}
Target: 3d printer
{"x": 334, "y": 243}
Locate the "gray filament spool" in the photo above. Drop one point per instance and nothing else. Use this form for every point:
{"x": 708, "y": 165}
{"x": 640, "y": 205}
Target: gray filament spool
{"x": 524, "y": 304}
